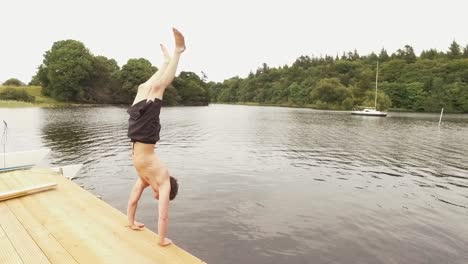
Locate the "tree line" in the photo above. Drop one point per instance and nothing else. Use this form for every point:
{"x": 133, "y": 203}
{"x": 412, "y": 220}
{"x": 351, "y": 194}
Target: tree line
{"x": 427, "y": 82}
{"x": 71, "y": 73}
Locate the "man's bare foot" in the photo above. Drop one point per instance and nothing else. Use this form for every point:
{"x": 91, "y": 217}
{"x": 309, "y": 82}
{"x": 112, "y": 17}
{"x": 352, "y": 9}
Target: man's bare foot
{"x": 166, "y": 242}
{"x": 179, "y": 41}
{"x": 136, "y": 226}
{"x": 167, "y": 57}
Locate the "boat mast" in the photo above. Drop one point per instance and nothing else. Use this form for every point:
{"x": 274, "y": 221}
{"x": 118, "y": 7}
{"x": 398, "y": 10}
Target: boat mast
{"x": 376, "y": 81}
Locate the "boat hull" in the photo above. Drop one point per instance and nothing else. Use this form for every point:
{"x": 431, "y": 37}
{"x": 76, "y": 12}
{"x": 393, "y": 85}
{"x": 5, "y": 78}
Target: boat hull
{"x": 370, "y": 114}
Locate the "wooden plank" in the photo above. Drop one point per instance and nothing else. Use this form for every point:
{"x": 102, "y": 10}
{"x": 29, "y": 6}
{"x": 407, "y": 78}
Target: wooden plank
{"x": 89, "y": 229}
{"x": 8, "y": 254}
{"x": 26, "y": 191}
{"x": 55, "y": 219}
{"x": 144, "y": 243}
{"x": 89, "y": 220}
{"x": 45, "y": 240}
{"x": 27, "y": 249}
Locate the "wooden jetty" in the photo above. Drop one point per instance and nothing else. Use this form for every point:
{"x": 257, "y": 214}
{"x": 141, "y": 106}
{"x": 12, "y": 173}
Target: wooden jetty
{"x": 70, "y": 225}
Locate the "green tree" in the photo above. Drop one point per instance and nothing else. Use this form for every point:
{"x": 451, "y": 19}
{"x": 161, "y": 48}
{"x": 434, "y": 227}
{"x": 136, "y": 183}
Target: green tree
{"x": 13, "y": 82}
{"x": 431, "y": 54}
{"x": 407, "y": 81}
{"x": 454, "y": 50}
{"x": 365, "y": 81}
{"x": 331, "y": 92}
{"x": 191, "y": 89}
{"x": 215, "y": 90}
{"x": 67, "y": 68}
{"x": 383, "y": 55}
{"x": 348, "y": 103}
{"x": 16, "y": 94}
{"x": 458, "y": 92}
{"x": 297, "y": 94}
{"x": 465, "y": 51}
{"x": 103, "y": 83}
{"x": 392, "y": 70}
{"x": 41, "y": 79}
{"x": 407, "y": 54}
{"x": 247, "y": 91}
{"x": 415, "y": 96}
{"x": 132, "y": 74}
{"x": 35, "y": 80}
{"x": 171, "y": 97}
{"x": 409, "y": 96}
{"x": 383, "y": 101}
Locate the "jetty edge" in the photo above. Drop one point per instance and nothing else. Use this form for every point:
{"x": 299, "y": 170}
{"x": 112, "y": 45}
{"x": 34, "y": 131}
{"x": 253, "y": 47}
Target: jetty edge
{"x": 70, "y": 225}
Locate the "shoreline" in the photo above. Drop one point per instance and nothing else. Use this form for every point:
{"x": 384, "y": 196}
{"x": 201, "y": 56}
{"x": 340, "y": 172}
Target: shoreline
{"x": 394, "y": 110}
{"x": 22, "y": 104}
{"x": 48, "y": 102}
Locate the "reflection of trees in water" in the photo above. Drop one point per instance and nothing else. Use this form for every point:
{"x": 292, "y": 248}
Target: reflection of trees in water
{"x": 66, "y": 139}
{"x": 85, "y": 134}
{"x": 66, "y": 134}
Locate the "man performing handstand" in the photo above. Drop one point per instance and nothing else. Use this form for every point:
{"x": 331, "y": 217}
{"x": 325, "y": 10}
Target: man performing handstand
{"x": 143, "y": 130}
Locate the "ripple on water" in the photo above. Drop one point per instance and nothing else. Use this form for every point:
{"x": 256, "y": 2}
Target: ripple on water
{"x": 280, "y": 185}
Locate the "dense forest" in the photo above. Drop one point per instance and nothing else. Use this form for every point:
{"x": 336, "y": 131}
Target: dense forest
{"x": 71, "y": 73}
{"x": 427, "y": 82}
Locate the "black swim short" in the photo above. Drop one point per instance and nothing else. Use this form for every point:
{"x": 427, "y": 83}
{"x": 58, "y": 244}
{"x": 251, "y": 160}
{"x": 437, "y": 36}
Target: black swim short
{"x": 143, "y": 123}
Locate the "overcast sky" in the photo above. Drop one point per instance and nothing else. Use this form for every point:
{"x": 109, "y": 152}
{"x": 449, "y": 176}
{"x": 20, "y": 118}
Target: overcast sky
{"x": 224, "y": 38}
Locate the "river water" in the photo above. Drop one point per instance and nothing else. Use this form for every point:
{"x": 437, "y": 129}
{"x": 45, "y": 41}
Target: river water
{"x": 279, "y": 185}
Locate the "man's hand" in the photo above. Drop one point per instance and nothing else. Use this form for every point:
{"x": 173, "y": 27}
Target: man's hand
{"x": 166, "y": 242}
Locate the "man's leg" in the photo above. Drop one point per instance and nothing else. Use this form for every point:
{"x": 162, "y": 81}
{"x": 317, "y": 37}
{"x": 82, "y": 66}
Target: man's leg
{"x": 145, "y": 88}
{"x": 135, "y": 195}
{"x": 159, "y": 86}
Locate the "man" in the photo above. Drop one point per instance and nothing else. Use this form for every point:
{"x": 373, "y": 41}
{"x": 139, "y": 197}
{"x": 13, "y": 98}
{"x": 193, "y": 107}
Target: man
{"x": 143, "y": 131}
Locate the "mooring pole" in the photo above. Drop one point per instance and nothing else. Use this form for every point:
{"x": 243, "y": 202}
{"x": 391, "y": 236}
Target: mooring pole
{"x": 440, "y": 118}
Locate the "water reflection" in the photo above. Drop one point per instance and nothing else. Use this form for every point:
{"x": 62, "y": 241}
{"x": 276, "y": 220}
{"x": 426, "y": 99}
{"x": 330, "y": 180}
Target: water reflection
{"x": 279, "y": 185}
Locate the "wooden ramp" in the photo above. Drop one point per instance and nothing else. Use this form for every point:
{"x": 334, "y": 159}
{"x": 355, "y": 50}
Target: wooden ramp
{"x": 70, "y": 225}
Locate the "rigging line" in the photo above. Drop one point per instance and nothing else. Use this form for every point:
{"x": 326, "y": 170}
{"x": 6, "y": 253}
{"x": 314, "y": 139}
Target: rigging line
{"x": 4, "y": 141}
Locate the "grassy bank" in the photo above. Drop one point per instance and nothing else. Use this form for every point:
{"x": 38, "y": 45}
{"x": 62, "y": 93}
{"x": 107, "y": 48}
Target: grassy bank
{"x": 40, "y": 101}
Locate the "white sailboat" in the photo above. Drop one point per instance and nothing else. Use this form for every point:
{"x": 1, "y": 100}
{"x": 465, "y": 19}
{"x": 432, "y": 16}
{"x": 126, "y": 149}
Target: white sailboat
{"x": 372, "y": 111}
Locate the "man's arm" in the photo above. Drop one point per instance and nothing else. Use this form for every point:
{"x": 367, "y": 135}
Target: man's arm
{"x": 163, "y": 208}
{"x": 135, "y": 195}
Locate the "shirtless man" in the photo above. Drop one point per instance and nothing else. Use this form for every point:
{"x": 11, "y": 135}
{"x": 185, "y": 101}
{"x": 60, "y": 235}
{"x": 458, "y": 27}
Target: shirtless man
{"x": 143, "y": 131}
